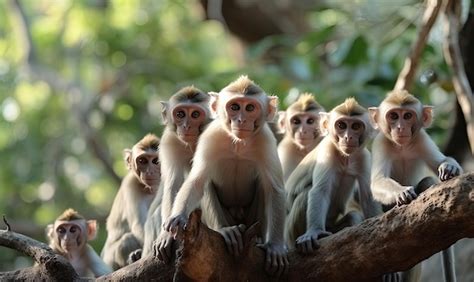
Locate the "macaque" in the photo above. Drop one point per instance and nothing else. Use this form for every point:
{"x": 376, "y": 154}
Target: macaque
{"x": 236, "y": 175}
{"x": 300, "y": 124}
{"x": 68, "y": 236}
{"x": 125, "y": 224}
{"x": 321, "y": 186}
{"x": 185, "y": 115}
{"x": 402, "y": 150}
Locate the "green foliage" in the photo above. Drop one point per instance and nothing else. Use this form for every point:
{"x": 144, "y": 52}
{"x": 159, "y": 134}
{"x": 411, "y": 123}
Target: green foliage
{"x": 118, "y": 59}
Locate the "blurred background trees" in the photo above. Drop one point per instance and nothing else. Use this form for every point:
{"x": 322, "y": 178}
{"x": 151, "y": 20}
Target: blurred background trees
{"x": 82, "y": 80}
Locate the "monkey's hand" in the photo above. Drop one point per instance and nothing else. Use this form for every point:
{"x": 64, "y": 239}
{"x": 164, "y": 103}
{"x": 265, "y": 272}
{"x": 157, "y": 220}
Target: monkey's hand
{"x": 405, "y": 197}
{"x": 448, "y": 170}
{"x": 308, "y": 242}
{"x": 392, "y": 277}
{"x": 276, "y": 261}
{"x": 134, "y": 256}
{"x": 163, "y": 247}
{"x": 174, "y": 223}
{"x": 233, "y": 237}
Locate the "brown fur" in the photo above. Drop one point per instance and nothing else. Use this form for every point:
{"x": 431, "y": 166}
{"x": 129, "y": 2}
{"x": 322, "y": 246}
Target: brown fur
{"x": 150, "y": 141}
{"x": 305, "y": 103}
{"x": 191, "y": 94}
{"x": 244, "y": 86}
{"x": 70, "y": 214}
{"x": 400, "y": 97}
{"x": 350, "y": 107}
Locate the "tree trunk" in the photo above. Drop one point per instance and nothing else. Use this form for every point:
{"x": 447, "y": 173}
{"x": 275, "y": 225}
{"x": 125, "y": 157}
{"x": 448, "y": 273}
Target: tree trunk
{"x": 391, "y": 242}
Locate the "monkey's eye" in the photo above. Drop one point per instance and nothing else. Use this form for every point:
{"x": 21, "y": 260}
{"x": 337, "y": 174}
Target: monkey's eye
{"x": 341, "y": 125}
{"x": 296, "y": 121}
{"x": 142, "y": 160}
{"x": 407, "y": 115}
{"x": 61, "y": 230}
{"x": 235, "y": 107}
{"x": 356, "y": 126}
{"x": 310, "y": 121}
{"x": 195, "y": 114}
{"x": 250, "y": 108}
{"x": 155, "y": 161}
{"x": 393, "y": 116}
{"x": 180, "y": 114}
{"x": 73, "y": 229}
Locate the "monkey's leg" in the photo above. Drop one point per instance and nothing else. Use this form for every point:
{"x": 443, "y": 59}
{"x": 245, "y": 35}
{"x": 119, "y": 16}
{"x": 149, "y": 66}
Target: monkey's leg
{"x": 424, "y": 184}
{"x": 449, "y": 270}
{"x": 349, "y": 219}
{"x": 296, "y": 219}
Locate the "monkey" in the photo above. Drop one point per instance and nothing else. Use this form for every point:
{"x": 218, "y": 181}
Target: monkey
{"x": 236, "y": 175}
{"x": 68, "y": 236}
{"x": 319, "y": 189}
{"x": 125, "y": 223}
{"x": 402, "y": 150}
{"x": 185, "y": 116}
{"x": 300, "y": 124}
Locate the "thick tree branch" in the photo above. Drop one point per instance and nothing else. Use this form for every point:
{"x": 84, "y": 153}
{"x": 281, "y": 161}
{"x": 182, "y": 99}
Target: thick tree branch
{"x": 75, "y": 91}
{"x": 452, "y": 54}
{"x": 51, "y": 266}
{"x": 407, "y": 74}
{"x": 394, "y": 241}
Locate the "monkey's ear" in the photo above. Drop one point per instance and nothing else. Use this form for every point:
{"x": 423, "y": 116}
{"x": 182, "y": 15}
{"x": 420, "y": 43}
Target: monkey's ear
{"x": 374, "y": 116}
{"x": 324, "y": 123}
{"x": 92, "y": 228}
{"x": 427, "y": 116}
{"x": 127, "y": 157}
{"x": 49, "y": 231}
{"x": 272, "y": 107}
{"x": 164, "y": 111}
{"x": 213, "y": 103}
{"x": 281, "y": 122}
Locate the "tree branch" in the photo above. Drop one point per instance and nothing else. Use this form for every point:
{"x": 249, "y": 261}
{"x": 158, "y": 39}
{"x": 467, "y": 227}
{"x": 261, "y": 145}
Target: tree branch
{"x": 51, "y": 266}
{"x": 407, "y": 74}
{"x": 452, "y": 54}
{"x": 394, "y": 241}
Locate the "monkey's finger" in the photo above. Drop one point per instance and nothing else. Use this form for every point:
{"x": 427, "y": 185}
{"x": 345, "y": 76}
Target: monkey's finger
{"x": 309, "y": 245}
{"x": 233, "y": 243}
{"x": 281, "y": 265}
{"x": 268, "y": 261}
{"x": 168, "y": 249}
{"x": 240, "y": 241}
{"x": 412, "y": 194}
{"x": 227, "y": 242}
{"x": 275, "y": 265}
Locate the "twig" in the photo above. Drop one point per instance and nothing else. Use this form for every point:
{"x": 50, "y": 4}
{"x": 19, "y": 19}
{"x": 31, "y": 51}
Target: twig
{"x": 6, "y": 223}
{"x": 452, "y": 54}
{"x": 407, "y": 74}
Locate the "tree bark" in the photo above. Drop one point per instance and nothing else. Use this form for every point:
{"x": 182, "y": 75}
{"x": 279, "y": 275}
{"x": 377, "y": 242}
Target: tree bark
{"x": 394, "y": 241}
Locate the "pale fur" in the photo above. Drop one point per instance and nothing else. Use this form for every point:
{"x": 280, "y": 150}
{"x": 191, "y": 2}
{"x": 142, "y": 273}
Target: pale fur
{"x": 321, "y": 186}
{"x": 85, "y": 260}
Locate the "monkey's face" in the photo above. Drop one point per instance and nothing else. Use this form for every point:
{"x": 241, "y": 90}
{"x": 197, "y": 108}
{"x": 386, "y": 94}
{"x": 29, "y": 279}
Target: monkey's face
{"x": 349, "y": 134}
{"x": 244, "y": 115}
{"x": 189, "y": 119}
{"x": 70, "y": 235}
{"x": 304, "y": 128}
{"x": 401, "y": 125}
{"x": 147, "y": 168}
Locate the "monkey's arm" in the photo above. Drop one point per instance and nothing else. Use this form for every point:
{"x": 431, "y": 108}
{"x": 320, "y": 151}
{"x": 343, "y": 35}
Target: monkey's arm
{"x": 443, "y": 166}
{"x": 384, "y": 189}
{"x": 173, "y": 166}
{"x": 319, "y": 197}
{"x": 369, "y": 207}
{"x": 96, "y": 264}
